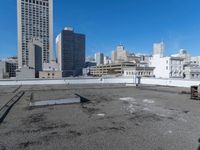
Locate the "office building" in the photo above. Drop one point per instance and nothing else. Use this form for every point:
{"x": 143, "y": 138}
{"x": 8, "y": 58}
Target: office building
{"x": 35, "y": 21}
{"x": 99, "y": 58}
{"x": 70, "y": 48}
{"x": 119, "y": 55}
{"x": 107, "y": 60}
{"x": 158, "y": 49}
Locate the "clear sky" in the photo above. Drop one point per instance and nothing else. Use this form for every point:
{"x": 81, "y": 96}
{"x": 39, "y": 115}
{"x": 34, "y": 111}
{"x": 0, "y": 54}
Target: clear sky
{"x": 135, "y": 23}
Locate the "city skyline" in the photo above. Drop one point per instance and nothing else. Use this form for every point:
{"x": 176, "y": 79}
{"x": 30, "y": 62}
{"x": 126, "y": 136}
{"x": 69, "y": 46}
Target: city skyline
{"x": 136, "y": 24}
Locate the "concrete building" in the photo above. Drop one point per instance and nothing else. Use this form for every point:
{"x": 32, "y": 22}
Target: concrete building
{"x": 35, "y": 56}
{"x": 35, "y": 20}
{"x": 90, "y": 59}
{"x": 70, "y": 52}
{"x": 144, "y": 58}
{"x": 50, "y": 74}
{"x": 25, "y": 72}
{"x": 192, "y": 71}
{"x": 107, "y": 60}
{"x": 50, "y": 71}
{"x": 139, "y": 71}
{"x": 176, "y": 67}
{"x": 158, "y": 49}
{"x": 8, "y": 68}
{"x": 99, "y": 58}
{"x": 4, "y": 69}
{"x": 183, "y": 54}
{"x": 53, "y": 66}
{"x": 110, "y": 69}
{"x": 86, "y": 69}
{"x": 35, "y": 61}
{"x": 195, "y": 60}
{"x": 167, "y": 67}
{"x": 133, "y": 58}
{"x": 119, "y": 55}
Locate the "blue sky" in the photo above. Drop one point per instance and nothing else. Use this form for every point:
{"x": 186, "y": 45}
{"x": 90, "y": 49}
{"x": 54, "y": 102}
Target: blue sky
{"x": 135, "y": 23}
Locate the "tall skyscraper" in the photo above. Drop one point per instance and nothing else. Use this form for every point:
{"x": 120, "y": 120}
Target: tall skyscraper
{"x": 119, "y": 55}
{"x": 70, "y": 48}
{"x": 35, "y": 21}
{"x": 99, "y": 58}
{"x": 158, "y": 49}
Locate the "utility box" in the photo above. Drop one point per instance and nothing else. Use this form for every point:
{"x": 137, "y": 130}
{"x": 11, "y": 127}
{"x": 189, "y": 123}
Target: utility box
{"x": 136, "y": 80}
{"x": 195, "y": 92}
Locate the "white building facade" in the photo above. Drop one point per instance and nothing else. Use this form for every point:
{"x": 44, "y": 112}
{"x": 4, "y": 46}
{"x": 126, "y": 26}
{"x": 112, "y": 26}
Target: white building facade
{"x": 167, "y": 67}
{"x": 139, "y": 71}
{"x": 107, "y": 60}
{"x": 192, "y": 72}
{"x": 195, "y": 60}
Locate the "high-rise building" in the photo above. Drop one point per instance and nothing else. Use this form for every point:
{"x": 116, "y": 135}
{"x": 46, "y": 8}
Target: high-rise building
{"x": 158, "y": 49}
{"x": 99, "y": 58}
{"x": 119, "y": 55}
{"x": 107, "y": 60}
{"x": 70, "y": 48}
{"x": 35, "y": 20}
{"x": 35, "y": 56}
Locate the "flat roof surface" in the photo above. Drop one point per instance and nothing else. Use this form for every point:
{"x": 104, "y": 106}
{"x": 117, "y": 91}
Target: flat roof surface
{"x": 117, "y": 117}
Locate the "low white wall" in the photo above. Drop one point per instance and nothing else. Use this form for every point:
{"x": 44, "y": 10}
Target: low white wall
{"x": 114, "y": 80}
{"x": 170, "y": 82}
{"x": 68, "y": 81}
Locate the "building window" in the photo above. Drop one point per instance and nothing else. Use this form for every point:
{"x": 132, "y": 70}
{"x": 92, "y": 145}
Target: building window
{"x": 192, "y": 75}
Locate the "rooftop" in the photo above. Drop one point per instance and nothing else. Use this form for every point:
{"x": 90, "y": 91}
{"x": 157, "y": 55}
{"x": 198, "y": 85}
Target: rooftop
{"x": 117, "y": 117}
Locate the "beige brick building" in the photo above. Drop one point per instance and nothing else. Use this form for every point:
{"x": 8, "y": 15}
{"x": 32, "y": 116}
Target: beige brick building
{"x": 50, "y": 71}
{"x": 50, "y": 74}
